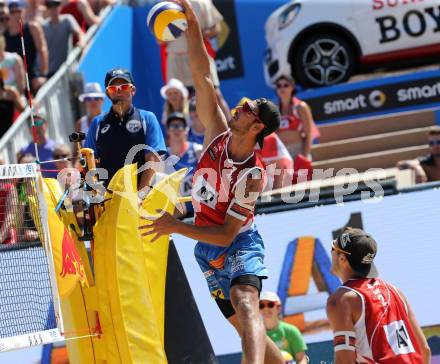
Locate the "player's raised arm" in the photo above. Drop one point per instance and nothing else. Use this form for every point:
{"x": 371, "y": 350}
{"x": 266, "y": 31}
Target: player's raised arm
{"x": 208, "y": 109}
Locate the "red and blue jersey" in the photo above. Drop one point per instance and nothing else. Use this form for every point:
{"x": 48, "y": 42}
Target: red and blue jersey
{"x": 219, "y": 185}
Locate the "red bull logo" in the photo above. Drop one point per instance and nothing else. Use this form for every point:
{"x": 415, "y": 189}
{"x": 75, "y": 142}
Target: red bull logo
{"x": 71, "y": 262}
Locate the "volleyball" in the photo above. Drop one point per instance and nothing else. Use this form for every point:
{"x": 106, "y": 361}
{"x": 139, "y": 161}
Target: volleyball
{"x": 167, "y": 21}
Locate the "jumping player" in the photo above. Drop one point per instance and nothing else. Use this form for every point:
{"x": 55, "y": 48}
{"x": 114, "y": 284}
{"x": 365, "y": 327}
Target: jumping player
{"x": 372, "y": 321}
{"x": 226, "y": 185}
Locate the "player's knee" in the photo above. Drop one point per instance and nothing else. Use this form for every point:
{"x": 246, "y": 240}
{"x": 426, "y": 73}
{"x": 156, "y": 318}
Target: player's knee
{"x": 244, "y": 306}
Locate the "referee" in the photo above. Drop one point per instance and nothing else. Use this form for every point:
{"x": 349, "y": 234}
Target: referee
{"x": 112, "y": 135}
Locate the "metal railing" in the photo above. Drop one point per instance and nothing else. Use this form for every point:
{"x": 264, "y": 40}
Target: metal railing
{"x": 53, "y": 100}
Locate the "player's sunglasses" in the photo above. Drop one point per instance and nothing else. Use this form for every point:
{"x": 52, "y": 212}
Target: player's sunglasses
{"x": 112, "y": 89}
{"x": 268, "y": 305}
{"x": 339, "y": 250}
{"x": 282, "y": 85}
{"x": 247, "y": 108}
{"x": 59, "y": 156}
{"x": 433, "y": 143}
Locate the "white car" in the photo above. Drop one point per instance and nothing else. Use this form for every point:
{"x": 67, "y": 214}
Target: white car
{"x": 324, "y": 42}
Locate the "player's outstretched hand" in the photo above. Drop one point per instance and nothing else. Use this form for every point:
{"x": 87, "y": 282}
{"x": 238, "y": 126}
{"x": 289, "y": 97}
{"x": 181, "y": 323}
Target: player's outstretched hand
{"x": 158, "y": 226}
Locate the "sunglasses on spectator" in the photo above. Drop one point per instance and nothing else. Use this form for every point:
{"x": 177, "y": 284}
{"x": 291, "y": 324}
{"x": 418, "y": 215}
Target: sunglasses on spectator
{"x": 38, "y": 122}
{"x": 87, "y": 99}
{"x": 176, "y": 127}
{"x": 268, "y": 305}
{"x": 433, "y": 143}
{"x": 52, "y": 4}
{"x": 112, "y": 89}
{"x": 282, "y": 85}
{"x": 59, "y": 156}
{"x": 339, "y": 250}
{"x": 15, "y": 11}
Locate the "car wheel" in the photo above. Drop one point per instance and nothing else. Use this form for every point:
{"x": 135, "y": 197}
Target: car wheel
{"x": 322, "y": 60}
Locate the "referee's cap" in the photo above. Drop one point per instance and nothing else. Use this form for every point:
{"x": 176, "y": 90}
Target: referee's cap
{"x": 116, "y": 73}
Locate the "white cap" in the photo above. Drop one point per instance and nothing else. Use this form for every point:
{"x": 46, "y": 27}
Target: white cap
{"x": 269, "y": 296}
{"x": 92, "y": 89}
{"x": 174, "y": 83}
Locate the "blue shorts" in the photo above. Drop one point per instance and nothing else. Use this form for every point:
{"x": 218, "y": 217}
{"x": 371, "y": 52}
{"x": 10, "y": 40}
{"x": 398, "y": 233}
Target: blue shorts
{"x": 221, "y": 265}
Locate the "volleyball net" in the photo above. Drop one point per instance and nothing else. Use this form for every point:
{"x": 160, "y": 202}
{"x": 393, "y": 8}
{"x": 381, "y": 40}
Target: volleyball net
{"x": 29, "y": 302}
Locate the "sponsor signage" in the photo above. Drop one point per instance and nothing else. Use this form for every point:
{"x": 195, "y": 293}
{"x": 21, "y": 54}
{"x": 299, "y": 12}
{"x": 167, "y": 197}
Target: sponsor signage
{"x": 228, "y": 57}
{"x": 17, "y": 171}
{"x": 378, "y": 98}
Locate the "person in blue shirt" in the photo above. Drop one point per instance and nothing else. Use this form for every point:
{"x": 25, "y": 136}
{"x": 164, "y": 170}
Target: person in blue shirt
{"x": 114, "y": 134}
{"x": 45, "y": 147}
{"x": 188, "y": 153}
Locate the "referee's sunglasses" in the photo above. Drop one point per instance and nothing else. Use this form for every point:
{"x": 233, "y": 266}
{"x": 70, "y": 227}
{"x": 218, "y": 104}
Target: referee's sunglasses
{"x": 112, "y": 89}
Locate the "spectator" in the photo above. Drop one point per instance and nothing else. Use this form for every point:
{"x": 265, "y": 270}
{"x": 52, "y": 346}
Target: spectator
{"x": 196, "y": 132}
{"x": 297, "y": 130}
{"x": 114, "y": 134}
{"x": 98, "y": 5}
{"x": 188, "y": 152}
{"x": 11, "y": 67}
{"x": 287, "y": 337}
{"x": 10, "y": 102}
{"x": 177, "y": 65}
{"x": 34, "y": 41}
{"x": 427, "y": 168}
{"x": 4, "y": 18}
{"x": 8, "y": 203}
{"x": 62, "y": 151}
{"x": 93, "y": 97}
{"x": 58, "y": 30}
{"x": 82, "y": 12}
{"x": 35, "y": 11}
{"x": 45, "y": 146}
{"x": 176, "y": 99}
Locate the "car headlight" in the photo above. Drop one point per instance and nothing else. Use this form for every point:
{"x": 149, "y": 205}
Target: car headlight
{"x": 288, "y": 14}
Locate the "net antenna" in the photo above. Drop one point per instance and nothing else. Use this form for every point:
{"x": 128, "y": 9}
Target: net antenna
{"x": 28, "y": 91}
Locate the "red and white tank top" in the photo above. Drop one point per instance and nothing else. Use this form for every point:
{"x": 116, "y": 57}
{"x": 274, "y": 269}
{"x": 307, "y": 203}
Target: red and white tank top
{"x": 273, "y": 149}
{"x": 383, "y": 332}
{"x": 293, "y": 121}
{"x": 215, "y": 184}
